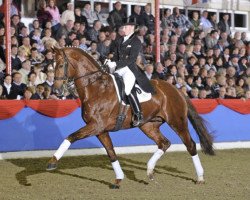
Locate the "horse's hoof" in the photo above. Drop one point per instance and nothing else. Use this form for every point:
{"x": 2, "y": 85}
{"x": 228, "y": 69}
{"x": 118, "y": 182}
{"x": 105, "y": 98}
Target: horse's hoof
{"x": 114, "y": 186}
{"x": 150, "y": 174}
{"x": 200, "y": 180}
{"x": 52, "y": 164}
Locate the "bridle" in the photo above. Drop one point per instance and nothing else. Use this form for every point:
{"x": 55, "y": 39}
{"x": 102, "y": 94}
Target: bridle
{"x": 91, "y": 77}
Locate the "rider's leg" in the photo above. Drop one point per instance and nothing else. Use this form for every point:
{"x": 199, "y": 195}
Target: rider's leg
{"x": 129, "y": 81}
{"x": 136, "y": 107}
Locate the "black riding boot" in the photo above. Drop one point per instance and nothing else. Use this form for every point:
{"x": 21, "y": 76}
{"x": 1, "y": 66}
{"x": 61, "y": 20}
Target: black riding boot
{"x": 136, "y": 108}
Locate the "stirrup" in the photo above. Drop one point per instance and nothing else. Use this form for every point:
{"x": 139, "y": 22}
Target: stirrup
{"x": 137, "y": 119}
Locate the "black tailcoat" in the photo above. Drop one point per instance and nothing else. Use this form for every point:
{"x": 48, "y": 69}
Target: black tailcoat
{"x": 125, "y": 54}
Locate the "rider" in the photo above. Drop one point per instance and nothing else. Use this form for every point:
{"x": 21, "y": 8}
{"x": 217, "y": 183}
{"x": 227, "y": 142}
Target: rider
{"x": 123, "y": 63}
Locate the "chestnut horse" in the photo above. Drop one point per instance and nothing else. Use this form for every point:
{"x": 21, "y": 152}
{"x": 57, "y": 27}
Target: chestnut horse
{"x": 100, "y": 108}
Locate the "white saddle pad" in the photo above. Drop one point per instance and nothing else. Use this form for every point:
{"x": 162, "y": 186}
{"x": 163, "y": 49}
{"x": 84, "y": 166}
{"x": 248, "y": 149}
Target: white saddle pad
{"x": 142, "y": 97}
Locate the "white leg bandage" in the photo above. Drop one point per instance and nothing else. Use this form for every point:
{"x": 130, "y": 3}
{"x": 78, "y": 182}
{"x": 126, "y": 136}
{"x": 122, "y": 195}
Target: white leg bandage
{"x": 118, "y": 170}
{"x": 153, "y": 160}
{"x": 197, "y": 165}
{"x": 61, "y": 150}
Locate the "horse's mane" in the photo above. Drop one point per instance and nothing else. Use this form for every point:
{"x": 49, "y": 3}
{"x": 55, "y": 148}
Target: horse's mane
{"x": 85, "y": 54}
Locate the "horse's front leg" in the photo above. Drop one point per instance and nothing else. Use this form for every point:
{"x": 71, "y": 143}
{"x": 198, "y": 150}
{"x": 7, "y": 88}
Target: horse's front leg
{"x": 108, "y": 145}
{"x": 84, "y": 132}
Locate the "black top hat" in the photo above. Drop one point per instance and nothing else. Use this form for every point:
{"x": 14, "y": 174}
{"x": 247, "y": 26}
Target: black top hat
{"x": 130, "y": 21}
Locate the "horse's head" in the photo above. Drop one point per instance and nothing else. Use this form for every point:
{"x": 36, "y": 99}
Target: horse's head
{"x": 71, "y": 64}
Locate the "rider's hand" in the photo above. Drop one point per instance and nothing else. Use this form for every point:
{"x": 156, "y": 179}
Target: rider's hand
{"x": 111, "y": 66}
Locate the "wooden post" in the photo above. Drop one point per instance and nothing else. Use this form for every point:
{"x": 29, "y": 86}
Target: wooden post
{"x": 7, "y": 36}
{"x": 157, "y": 31}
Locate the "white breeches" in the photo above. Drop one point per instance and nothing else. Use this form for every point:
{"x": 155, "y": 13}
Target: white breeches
{"x": 128, "y": 78}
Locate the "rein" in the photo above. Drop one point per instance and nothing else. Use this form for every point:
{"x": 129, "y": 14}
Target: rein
{"x": 92, "y": 77}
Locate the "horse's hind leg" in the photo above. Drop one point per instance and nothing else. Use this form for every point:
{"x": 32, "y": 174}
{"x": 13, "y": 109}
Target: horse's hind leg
{"x": 181, "y": 128}
{"x": 108, "y": 145}
{"x": 151, "y": 129}
{"x": 84, "y": 132}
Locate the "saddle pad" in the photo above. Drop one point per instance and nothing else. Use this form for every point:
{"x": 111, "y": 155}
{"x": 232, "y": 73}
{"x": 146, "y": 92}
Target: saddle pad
{"x": 142, "y": 97}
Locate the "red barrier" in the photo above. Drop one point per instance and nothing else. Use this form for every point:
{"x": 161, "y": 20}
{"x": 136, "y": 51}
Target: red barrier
{"x": 62, "y": 108}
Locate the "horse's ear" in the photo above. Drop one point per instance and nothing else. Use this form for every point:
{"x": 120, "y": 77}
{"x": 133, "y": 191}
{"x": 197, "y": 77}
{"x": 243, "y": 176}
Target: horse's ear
{"x": 56, "y": 50}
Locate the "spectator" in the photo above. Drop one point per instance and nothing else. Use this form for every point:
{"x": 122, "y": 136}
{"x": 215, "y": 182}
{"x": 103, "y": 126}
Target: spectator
{"x": 40, "y": 76}
{"x": 89, "y": 14}
{"x": 35, "y": 25}
{"x": 48, "y": 62}
{"x": 194, "y": 93}
{"x": 1, "y": 93}
{"x": 26, "y": 46}
{"x": 42, "y": 14}
{"x": 247, "y": 95}
{"x": 159, "y": 71}
{"x": 28, "y": 94}
{"x": 79, "y": 17}
{"x": 205, "y": 23}
{"x": 25, "y": 70}
{"x": 202, "y": 94}
{"x": 212, "y": 39}
{"x": 18, "y": 86}
{"x": 224, "y": 24}
{"x": 166, "y": 22}
{"x": 7, "y": 88}
{"x": 149, "y": 68}
{"x": 244, "y": 37}
{"x": 35, "y": 57}
{"x": 71, "y": 36}
{"x": 99, "y": 14}
{"x": 240, "y": 84}
{"x": 136, "y": 16}
{"x": 49, "y": 79}
{"x": 103, "y": 46}
{"x": 54, "y": 11}
{"x": 222, "y": 93}
{"x": 64, "y": 30}
{"x": 68, "y": 14}
{"x": 16, "y": 23}
{"x": 93, "y": 32}
{"x": 83, "y": 44}
{"x": 213, "y": 21}
{"x": 180, "y": 20}
{"x": 117, "y": 16}
{"x": 37, "y": 37}
{"x": 16, "y": 63}
{"x": 39, "y": 94}
{"x": 169, "y": 79}
{"x": 224, "y": 39}
{"x": 93, "y": 49}
{"x": 32, "y": 80}
{"x": 23, "y": 33}
{"x": 48, "y": 39}
{"x": 196, "y": 22}
{"x": 210, "y": 65}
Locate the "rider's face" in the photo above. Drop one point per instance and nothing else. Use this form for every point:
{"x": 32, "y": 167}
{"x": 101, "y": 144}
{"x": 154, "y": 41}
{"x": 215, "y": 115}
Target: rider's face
{"x": 128, "y": 29}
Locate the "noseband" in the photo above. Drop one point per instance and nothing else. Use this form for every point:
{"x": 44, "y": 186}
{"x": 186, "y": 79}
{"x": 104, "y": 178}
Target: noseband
{"x": 92, "y": 77}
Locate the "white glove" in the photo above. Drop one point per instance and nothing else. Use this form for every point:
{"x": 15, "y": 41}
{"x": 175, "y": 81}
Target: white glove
{"x": 112, "y": 66}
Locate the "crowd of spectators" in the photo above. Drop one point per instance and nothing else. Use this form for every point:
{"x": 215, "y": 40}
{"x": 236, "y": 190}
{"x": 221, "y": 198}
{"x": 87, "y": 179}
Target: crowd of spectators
{"x": 201, "y": 57}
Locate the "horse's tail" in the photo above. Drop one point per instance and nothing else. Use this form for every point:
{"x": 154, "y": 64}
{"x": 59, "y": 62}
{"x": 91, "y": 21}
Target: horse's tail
{"x": 206, "y": 140}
